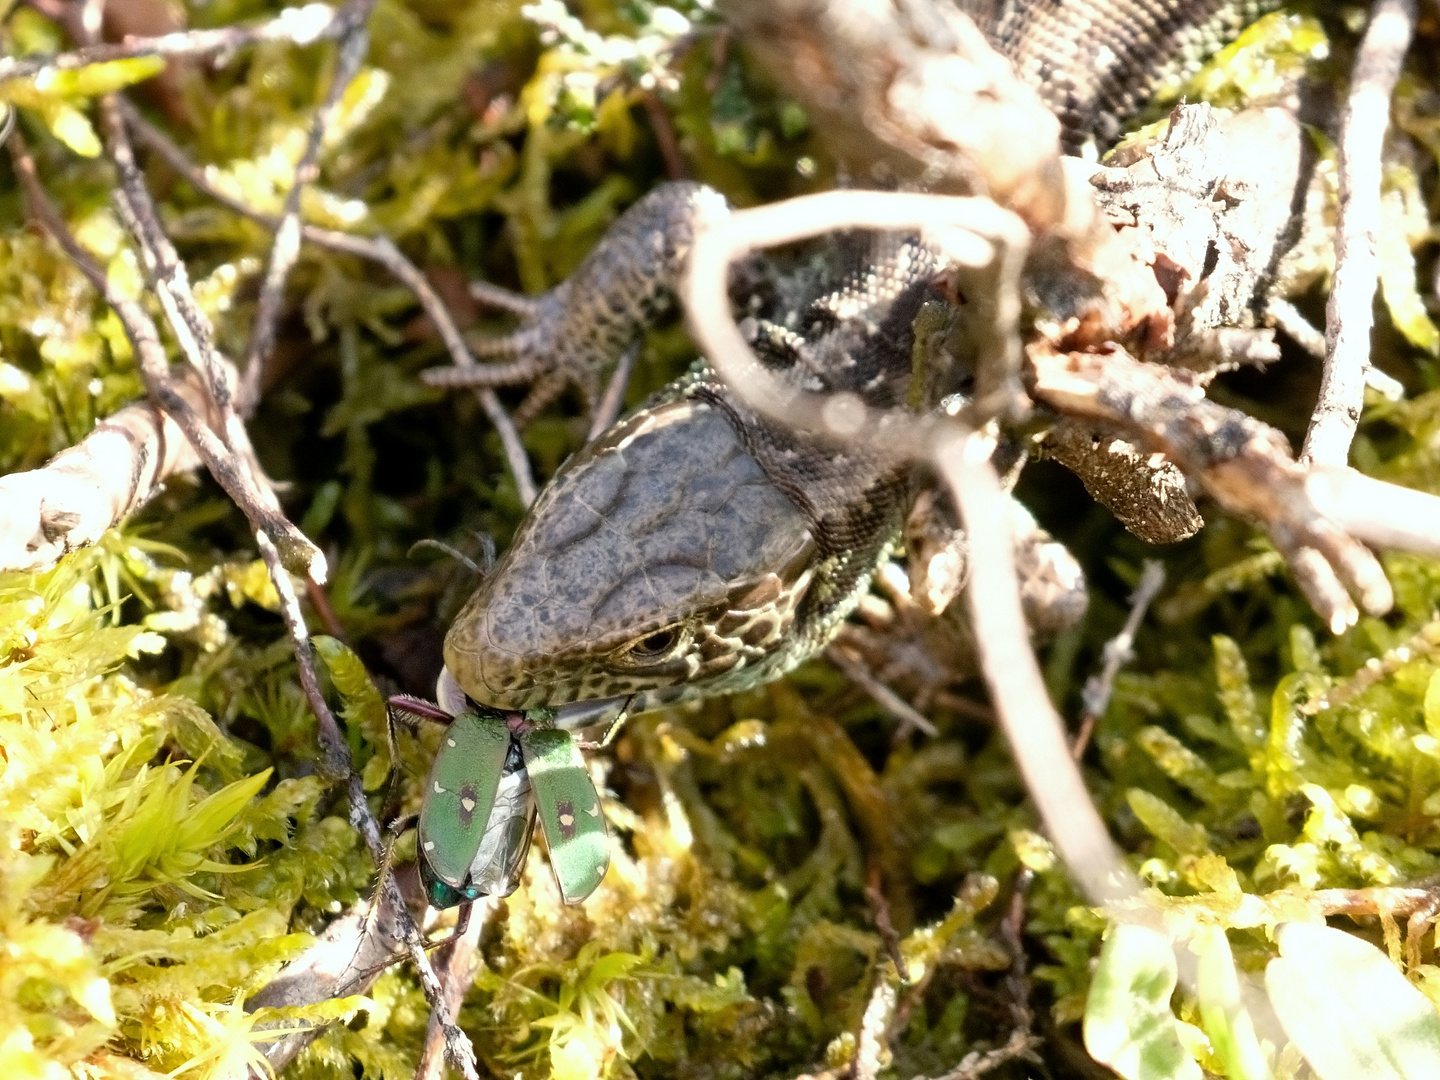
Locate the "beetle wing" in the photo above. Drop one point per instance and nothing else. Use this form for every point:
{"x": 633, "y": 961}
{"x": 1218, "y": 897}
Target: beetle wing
{"x": 569, "y": 812}
{"x": 459, "y": 794}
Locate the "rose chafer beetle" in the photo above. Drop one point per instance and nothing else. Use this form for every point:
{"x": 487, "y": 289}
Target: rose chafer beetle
{"x": 494, "y": 774}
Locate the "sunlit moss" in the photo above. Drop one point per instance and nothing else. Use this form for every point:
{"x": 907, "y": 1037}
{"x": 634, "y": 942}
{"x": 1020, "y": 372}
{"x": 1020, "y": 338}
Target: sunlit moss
{"x": 166, "y": 842}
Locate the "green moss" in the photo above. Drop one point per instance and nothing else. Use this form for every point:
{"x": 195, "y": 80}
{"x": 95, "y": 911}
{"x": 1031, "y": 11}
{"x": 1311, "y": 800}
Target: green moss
{"x": 166, "y": 843}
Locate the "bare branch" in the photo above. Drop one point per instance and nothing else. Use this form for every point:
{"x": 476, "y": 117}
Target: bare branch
{"x": 193, "y": 332}
{"x": 286, "y": 247}
{"x": 1349, "y": 312}
{"x": 459, "y": 962}
{"x": 349, "y": 956}
{"x": 297, "y": 25}
{"x": 86, "y": 489}
{"x": 379, "y": 249}
{"x": 1424, "y": 642}
{"x": 1021, "y": 1045}
{"x": 238, "y": 482}
{"x": 154, "y": 366}
{"x": 1118, "y": 651}
{"x": 1031, "y": 724}
{"x": 856, "y": 671}
{"x": 337, "y": 764}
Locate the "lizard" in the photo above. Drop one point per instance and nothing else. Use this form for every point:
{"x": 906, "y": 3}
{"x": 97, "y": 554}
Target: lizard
{"x": 696, "y": 548}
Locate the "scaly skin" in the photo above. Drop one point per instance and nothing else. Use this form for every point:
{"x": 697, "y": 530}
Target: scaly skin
{"x": 695, "y": 548}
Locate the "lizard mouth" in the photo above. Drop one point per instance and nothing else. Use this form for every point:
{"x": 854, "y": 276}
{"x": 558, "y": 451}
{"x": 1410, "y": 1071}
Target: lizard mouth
{"x": 607, "y": 711}
{"x": 571, "y": 717}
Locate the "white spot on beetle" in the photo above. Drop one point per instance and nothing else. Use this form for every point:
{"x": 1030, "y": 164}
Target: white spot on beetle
{"x": 449, "y": 742}
{"x": 438, "y": 789}
{"x": 468, "y": 805}
{"x": 429, "y": 845}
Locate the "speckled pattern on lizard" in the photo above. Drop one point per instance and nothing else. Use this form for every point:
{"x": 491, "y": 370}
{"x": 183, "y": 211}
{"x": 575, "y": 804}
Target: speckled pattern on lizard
{"x": 696, "y": 548}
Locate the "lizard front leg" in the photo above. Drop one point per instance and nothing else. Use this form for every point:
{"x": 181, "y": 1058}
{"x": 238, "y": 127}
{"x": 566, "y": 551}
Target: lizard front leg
{"x": 571, "y": 334}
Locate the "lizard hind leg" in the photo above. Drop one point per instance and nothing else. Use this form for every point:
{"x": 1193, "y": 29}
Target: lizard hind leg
{"x": 546, "y": 390}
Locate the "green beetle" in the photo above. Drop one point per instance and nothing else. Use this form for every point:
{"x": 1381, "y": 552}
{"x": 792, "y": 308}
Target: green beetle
{"x": 494, "y": 774}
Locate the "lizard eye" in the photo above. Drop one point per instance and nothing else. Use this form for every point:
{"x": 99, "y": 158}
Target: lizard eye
{"x": 655, "y": 645}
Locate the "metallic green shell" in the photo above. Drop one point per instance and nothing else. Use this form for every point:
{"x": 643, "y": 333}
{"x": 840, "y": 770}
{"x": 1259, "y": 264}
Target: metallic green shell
{"x": 459, "y": 794}
{"x": 570, "y": 813}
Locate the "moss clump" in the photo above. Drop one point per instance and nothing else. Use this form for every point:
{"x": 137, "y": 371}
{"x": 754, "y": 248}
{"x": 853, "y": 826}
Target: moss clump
{"x": 166, "y": 843}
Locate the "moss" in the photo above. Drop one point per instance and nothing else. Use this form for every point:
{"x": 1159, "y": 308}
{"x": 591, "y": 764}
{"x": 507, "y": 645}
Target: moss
{"x": 165, "y": 842}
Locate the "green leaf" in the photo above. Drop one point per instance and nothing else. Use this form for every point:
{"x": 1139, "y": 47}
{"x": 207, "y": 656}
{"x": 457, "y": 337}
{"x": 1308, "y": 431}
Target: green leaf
{"x": 1348, "y": 1010}
{"x": 1403, "y": 214}
{"x": 1222, "y": 1012}
{"x": 1128, "y": 1022}
{"x": 96, "y": 79}
{"x": 71, "y": 127}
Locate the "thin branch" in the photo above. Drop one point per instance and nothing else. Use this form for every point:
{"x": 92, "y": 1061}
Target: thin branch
{"x": 297, "y": 25}
{"x": 974, "y": 232}
{"x": 337, "y": 765}
{"x": 458, "y": 964}
{"x": 613, "y": 400}
{"x": 192, "y": 331}
{"x": 267, "y": 520}
{"x": 880, "y": 911}
{"x": 1118, "y": 651}
{"x": 286, "y": 248}
{"x": 1349, "y": 312}
{"x": 163, "y": 388}
{"x": 1021, "y": 1045}
{"x": 856, "y": 671}
{"x": 665, "y": 139}
{"x": 1318, "y": 518}
{"x": 1380, "y": 900}
{"x": 354, "y": 950}
{"x": 81, "y": 492}
{"x": 378, "y": 249}
{"x": 1424, "y": 642}
{"x": 1032, "y": 726}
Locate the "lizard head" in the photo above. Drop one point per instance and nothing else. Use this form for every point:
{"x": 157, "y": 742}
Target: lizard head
{"x": 659, "y": 562}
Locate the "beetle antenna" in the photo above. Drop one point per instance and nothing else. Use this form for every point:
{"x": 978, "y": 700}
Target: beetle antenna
{"x": 456, "y": 554}
{"x": 487, "y": 549}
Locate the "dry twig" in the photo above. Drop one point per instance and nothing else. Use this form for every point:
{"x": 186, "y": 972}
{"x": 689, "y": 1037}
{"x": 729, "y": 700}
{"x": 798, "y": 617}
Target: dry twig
{"x": 1424, "y": 642}
{"x": 1021, "y": 1045}
{"x": 458, "y": 966}
{"x": 84, "y": 490}
{"x": 978, "y": 233}
{"x": 855, "y": 670}
{"x": 378, "y": 249}
{"x": 286, "y": 248}
{"x": 237, "y": 480}
{"x": 224, "y": 446}
{"x": 298, "y": 25}
{"x": 1349, "y": 312}
{"x": 1319, "y": 518}
{"x": 1118, "y": 652}
{"x": 338, "y": 766}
